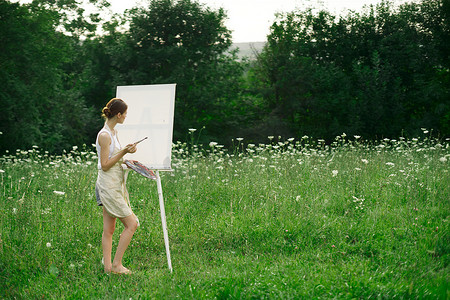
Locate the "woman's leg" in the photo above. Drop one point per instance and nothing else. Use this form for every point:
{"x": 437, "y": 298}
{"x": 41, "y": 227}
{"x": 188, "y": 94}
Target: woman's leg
{"x": 109, "y": 225}
{"x": 130, "y": 224}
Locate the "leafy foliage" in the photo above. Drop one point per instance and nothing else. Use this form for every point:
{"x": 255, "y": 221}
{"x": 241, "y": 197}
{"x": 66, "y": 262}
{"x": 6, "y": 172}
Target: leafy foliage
{"x": 382, "y": 72}
{"x": 40, "y": 107}
{"x": 182, "y": 42}
{"x": 376, "y": 73}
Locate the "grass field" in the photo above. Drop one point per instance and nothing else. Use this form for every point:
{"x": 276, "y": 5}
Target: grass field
{"x": 287, "y": 219}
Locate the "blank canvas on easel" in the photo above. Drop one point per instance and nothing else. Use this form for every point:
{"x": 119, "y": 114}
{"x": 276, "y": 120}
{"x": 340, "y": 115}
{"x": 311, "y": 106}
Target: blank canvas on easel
{"x": 150, "y": 113}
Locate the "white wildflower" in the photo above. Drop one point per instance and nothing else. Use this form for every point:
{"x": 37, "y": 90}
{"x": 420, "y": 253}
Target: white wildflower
{"x": 390, "y": 164}
{"x": 192, "y": 130}
{"x": 2, "y": 171}
{"x": 442, "y": 159}
{"x": 48, "y": 245}
{"x": 357, "y": 136}
{"x": 59, "y": 193}
{"x": 239, "y": 139}
{"x": 365, "y": 161}
{"x": 335, "y": 173}
{"x": 46, "y": 211}
{"x": 212, "y": 144}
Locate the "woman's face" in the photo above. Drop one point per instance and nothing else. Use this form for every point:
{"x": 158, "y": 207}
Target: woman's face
{"x": 121, "y": 117}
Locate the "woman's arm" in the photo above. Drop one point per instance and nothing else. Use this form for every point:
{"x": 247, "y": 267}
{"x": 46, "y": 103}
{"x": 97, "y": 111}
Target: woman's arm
{"x": 105, "y": 141}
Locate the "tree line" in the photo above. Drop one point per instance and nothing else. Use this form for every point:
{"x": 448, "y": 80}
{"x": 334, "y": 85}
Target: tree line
{"x": 383, "y": 72}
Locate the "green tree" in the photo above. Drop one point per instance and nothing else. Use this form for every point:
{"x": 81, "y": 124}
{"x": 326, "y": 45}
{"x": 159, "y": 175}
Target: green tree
{"x": 186, "y": 43}
{"x": 374, "y": 73}
{"x": 41, "y": 107}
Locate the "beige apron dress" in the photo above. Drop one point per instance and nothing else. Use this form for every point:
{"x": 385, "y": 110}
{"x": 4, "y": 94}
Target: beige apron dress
{"x": 110, "y": 188}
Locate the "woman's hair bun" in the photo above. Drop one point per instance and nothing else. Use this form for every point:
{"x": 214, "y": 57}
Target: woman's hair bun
{"x": 113, "y": 107}
{"x": 106, "y": 112}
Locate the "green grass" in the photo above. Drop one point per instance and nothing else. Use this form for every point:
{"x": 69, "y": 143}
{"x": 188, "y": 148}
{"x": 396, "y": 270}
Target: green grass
{"x": 288, "y": 219}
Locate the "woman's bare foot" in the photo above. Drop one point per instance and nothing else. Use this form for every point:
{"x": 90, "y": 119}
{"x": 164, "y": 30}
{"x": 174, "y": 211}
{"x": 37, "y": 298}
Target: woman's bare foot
{"x": 120, "y": 270}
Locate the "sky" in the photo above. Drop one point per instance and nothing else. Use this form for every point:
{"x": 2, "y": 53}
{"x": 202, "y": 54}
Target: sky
{"x": 250, "y": 20}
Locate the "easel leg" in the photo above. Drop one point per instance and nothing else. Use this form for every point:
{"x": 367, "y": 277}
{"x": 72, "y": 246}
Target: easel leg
{"x": 163, "y": 219}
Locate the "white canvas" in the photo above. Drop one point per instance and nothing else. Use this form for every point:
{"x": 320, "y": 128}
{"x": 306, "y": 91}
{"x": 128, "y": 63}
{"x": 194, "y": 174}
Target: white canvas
{"x": 150, "y": 113}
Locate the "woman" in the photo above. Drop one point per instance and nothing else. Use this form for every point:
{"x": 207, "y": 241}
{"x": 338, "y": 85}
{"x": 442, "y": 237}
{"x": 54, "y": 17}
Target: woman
{"x": 110, "y": 187}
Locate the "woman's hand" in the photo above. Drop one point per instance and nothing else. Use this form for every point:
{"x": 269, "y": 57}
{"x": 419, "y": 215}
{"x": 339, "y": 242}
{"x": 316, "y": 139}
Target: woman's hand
{"x": 131, "y": 148}
{"x": 105, "y": 141}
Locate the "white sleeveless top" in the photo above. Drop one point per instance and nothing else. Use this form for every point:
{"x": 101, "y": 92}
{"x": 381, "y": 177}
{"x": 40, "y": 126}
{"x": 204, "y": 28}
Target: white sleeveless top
{"x": 112, "y": 146}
